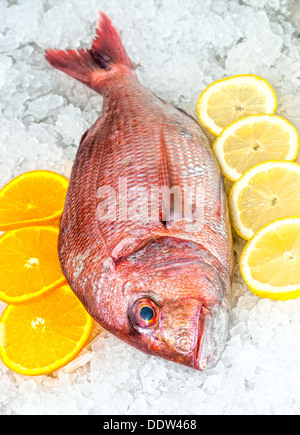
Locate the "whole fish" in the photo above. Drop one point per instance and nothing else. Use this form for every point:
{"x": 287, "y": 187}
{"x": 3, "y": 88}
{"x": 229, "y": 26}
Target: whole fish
{"x": 145, "y": 239}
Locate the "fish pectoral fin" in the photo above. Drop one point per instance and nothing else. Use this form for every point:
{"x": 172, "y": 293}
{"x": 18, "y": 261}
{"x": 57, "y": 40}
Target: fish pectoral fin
{"x": 129, "y": 246}
{"x": 132, "y": 244}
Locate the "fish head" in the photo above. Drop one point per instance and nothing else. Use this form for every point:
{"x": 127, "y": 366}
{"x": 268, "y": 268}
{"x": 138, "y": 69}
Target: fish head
{"x": 178, "y": 313}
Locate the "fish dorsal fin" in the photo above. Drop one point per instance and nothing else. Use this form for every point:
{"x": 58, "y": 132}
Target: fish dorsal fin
{"x": 222, "y": 211}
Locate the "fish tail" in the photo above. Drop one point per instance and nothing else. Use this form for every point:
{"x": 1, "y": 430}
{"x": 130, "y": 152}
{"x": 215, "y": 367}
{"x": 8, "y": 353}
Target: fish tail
{"x": 95, "y": 66}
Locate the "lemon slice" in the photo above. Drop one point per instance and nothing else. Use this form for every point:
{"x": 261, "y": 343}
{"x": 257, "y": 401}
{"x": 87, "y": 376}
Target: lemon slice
{"x": 228, "y": 100}
{"x": 255, "y": 139}
{"x": 270, "y": 263}
{"x": 267, "y": 192}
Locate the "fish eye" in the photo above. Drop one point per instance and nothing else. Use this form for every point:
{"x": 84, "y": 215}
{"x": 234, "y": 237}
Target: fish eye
{"x": 145, "y": 313}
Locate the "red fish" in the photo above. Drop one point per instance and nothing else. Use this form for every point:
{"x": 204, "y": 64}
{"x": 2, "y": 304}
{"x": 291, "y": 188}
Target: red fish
{"x": 145, "y": 239}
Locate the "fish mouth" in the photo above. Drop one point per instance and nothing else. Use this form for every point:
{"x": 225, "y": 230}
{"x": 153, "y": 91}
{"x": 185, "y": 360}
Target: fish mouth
{"x": 212, "y": 337}
{"x": 202, "y": 358}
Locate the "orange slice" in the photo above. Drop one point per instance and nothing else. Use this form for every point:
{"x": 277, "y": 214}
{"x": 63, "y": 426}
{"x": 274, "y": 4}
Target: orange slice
{"x": 29, "y": 264}
{"x": 34, "y": 198}
{"x": 44, "y": 335}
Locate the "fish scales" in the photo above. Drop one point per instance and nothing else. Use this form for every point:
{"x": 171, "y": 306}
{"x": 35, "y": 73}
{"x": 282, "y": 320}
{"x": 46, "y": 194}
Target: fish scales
{"x": 145, "y": 239}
